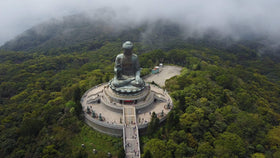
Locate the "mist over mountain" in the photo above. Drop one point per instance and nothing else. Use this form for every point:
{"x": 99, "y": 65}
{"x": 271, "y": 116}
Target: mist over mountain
{"x": 77, "y": 29}
{"x": 75, "y": 23}
{"x": 93, "y": 30}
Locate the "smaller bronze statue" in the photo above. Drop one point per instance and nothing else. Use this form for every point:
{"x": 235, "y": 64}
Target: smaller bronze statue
{"x": 127, "y": 71}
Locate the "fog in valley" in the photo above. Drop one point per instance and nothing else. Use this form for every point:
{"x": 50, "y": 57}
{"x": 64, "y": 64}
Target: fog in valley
{"x": 236, "y": 19}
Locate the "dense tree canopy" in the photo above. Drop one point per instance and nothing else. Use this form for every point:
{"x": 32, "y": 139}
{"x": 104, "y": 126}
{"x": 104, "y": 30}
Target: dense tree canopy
{"x": 226, "y": 102}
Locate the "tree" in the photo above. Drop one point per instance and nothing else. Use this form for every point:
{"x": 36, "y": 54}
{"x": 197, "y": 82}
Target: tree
{"x": 171, "y": 146}
{"x": 246, "y": 101}
{"x": 50, "y": 151}
{"x": 154, "y": 124}
{"x": 157, "y": 148}
{"x": 7, "y": 89}
{"x": 226, "y": 81}
{"x": 172, "y": 119}
{"x": 258, "y": 155}
{"x": 31, "y": 127}
{"x": 183, "y": 150}
{"x": 121, "y": 153}
{"x": 81, "y": 153}
{"x": 147, "y": 154}
{"x": 229, "y": 145}
{"x": 274, "y": 137}
{"x": 247, "y": 126}
{"x": 205, "y": 150}
{"x": 7, "y": 146}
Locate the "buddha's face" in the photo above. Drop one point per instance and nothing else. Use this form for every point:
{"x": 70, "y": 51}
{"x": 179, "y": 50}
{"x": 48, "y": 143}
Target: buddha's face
{"x": 127, "y": 52}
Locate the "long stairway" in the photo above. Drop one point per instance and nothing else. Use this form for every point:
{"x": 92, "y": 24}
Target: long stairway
{"x": 130, "y": 133}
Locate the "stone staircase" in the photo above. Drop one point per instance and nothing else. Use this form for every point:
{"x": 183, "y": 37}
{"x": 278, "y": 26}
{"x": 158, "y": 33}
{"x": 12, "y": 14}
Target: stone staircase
{"x": 130, "y": 133}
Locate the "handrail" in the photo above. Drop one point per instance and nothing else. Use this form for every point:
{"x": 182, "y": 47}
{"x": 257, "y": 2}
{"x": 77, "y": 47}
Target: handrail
{"x": 137, "y": 134}
{"x": 124, "y": 136}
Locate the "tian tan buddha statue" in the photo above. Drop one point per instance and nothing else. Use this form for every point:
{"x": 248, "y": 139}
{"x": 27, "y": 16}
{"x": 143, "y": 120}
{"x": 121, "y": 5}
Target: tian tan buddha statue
{"x": 127, "y": 71}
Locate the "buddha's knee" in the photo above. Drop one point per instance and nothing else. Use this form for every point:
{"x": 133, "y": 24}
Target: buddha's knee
{"x": 138, "y": 83}
{"x": 116, "y": 83}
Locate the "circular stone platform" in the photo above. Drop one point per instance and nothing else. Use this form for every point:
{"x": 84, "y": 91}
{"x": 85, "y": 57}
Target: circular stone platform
{"x": 104, "y": 108}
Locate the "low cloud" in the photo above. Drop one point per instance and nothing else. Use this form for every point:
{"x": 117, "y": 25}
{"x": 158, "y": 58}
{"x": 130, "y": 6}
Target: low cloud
{"x": 234, "y": 18}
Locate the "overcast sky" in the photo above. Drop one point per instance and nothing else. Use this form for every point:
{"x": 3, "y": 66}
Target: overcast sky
{"x": 230, "y": 17}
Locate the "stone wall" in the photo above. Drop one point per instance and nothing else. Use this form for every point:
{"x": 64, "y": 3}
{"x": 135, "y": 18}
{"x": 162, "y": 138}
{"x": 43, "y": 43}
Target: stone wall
{"x": 113, "y": 130}
{"x": 111, "y": 106}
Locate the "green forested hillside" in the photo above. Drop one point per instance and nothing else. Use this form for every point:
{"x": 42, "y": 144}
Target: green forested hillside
{"x": 227, "y": 100}
{"x": 40, "y": 109}
{"x": 222, "y": 109}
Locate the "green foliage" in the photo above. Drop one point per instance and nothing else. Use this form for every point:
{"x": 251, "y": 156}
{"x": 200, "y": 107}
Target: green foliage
{"x": 50, "y": 151}
{"x": 221, "y": 110}
{"x": 95, "y": 140}
{"x": 274, "y": 137}
{"x": 229, "y": 145}
{"x": 145, "y": 71}
{"x": 153, "y": 125}
{"x": 30, "y": 127}
{"x": 258, "y": 155}
{"x": 147, "y": 154}
{"x": 205, "y": 150}
{"x": 81, "y": 153}
{"x": 226, "y": 100}
{"x": 121, "y": 153}
{"x": 40, "y": 96}
{"x": 157, "y": 148}
{"x": 172, "y": 120}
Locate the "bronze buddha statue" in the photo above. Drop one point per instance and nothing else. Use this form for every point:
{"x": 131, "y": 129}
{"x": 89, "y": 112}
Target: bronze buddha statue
{"x": 127, "y": 71}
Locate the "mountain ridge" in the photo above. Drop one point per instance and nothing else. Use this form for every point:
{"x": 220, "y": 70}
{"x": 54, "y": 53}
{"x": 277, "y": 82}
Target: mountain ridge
{"x": 82, "y": 29}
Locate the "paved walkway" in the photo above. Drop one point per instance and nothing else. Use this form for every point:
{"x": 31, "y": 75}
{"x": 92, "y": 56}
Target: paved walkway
{"x": 131, "y": 135}
{"x": 165, "y": 73}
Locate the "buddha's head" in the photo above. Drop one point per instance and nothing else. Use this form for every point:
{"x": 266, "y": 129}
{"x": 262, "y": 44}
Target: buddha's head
{"x": 127, "y": 46}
